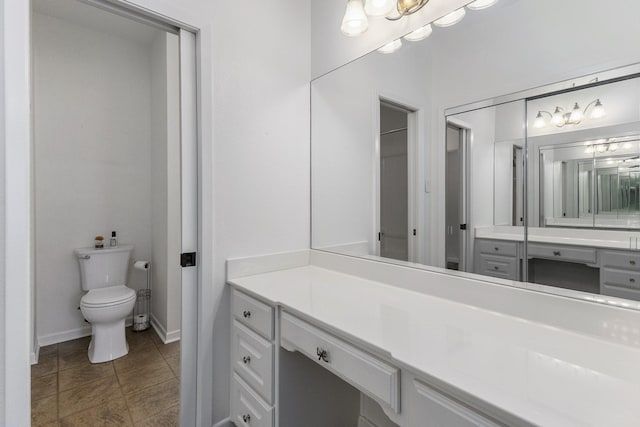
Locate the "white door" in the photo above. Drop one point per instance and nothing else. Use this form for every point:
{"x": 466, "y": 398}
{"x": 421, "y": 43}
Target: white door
{"x": 189, "y": 186}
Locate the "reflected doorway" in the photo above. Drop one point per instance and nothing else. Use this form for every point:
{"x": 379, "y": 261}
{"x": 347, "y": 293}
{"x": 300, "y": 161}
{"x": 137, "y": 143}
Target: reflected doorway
{"x": 455, "y": 197}
{"x": 393, "y": 236}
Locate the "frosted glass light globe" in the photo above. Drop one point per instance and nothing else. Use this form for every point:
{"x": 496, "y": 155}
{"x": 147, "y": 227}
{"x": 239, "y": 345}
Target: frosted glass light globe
{"x": 379, "y": 7}
{"x": 481, "y": 4}
{"x": 355, "y": 21}
{"x": 451, "y": 19}
{"x": 391, "y": 47}
{"x": 419, "y": 34}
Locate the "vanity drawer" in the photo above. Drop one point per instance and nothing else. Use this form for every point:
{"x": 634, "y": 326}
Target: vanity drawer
{"x": 622, "y": 278}
{"x": 497, "y": 247}
{"x": 366, "y": 372}
{"x": 252, "y": 359}
{"x": 253, "y": 313}
{"x": 441, "y": 410}
{"x": 562, "y": 253}
{"x": 498, "y": 266}
{"x": 623, "y": 260}
{"x": 247, "y": 408}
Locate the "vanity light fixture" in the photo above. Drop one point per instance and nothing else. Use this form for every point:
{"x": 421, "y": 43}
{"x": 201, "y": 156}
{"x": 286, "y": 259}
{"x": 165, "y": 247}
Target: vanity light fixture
{"x": 355, "y": 21}
{"x": 561, "y": 118}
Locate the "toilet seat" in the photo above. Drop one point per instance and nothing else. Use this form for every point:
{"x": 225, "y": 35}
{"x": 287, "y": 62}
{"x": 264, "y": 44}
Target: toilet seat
{"x": 107, "y": 297}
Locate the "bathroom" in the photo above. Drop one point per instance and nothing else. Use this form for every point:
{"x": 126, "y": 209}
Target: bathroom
{"x": 106, "y": 166}
{"x": 288, "y": 246}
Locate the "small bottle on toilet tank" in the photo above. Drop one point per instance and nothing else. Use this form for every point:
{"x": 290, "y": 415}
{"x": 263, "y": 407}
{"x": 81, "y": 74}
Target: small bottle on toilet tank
{"x": 114, "y": 239}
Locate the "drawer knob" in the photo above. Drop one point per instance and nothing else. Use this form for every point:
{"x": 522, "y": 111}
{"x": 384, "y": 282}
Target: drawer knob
{"x": 632, "y": 262}
{"x": 556, "y": 253}
{"x": 497, "y": 249}
{"x": 246, "y": 418}
{"x": 322, "y": 354}
{"x": 246, "y": 314}
{"x": 632, "y": 280}
{"x": 495, "y": 267}
{"x": 246, "y": 360}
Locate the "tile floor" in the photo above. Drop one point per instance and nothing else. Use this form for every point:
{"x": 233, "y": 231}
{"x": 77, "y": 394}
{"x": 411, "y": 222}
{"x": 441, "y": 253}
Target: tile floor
{"x": 140, "y": 389}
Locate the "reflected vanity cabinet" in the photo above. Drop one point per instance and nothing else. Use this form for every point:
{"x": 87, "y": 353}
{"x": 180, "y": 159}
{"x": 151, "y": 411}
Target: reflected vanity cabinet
{"x": 390, "y": 396}
{"x": 497, "y": 258}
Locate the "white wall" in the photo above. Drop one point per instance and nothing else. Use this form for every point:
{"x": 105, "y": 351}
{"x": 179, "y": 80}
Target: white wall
{"x": 2, "y": 223}
{"x": 92, "y": 160}
{"x": 165, "y": 186}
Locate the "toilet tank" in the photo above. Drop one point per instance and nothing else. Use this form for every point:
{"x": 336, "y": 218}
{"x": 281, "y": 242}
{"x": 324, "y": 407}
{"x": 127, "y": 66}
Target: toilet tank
{"x": 101, "y": 268}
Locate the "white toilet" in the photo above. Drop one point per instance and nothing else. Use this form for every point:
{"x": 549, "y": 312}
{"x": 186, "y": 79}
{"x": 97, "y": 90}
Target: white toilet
{"x": 107, "y": 304}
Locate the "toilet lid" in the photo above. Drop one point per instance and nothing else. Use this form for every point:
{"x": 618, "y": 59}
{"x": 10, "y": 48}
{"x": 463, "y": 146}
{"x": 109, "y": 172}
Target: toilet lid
{"x": 108, "y": 296}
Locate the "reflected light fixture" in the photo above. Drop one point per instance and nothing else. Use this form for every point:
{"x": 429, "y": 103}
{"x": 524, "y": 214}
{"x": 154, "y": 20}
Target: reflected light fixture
{"x": 419, "y": 34}
{"x": 391, "y": 47}
{"x": 481, "y": 4}
{"x": 451, "y": 19}
{"x": 379, "y": 7}
{"x": 561, "y": 118}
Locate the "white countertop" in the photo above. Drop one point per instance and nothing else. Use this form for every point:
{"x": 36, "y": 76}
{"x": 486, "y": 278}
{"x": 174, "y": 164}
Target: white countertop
{"x": 610, "y": 239}
{"x": 543, "y": 374}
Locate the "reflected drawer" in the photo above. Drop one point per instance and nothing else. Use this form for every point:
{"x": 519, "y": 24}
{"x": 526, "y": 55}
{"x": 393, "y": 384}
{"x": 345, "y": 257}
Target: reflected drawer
{"x": 497, "y": 247}
{"x": 247, "y": 408}
{"x": 624, "y": 260}
{"x": 626, "y": 279}
{"x": 562, "y": 253}
{"x": 253, "y": 313}
{"x": 620, "y": 292}
{"x": 252, "y": 359}
{"x": 369, "y": 374}
{"x": 498, "y": 266}
{"x": 441, "y": 410}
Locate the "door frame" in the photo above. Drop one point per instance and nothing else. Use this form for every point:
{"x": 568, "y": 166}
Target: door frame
{"x": 16, "y": 132}
{"x": 466, "y": 246}
{"x": 415, "y": 133}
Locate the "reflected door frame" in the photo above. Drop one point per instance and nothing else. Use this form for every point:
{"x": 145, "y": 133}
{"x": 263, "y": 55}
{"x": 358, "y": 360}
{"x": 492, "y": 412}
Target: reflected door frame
{"x": 415, "y": 174}
{"x": 465, "y": 245}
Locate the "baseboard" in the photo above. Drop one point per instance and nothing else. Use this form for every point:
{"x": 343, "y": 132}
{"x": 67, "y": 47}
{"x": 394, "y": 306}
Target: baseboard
{"x": 166, "y": 337}
{"x": 223, "y": 423}
{"x": 35, "y": 354}
{"x": 72, "y": 334}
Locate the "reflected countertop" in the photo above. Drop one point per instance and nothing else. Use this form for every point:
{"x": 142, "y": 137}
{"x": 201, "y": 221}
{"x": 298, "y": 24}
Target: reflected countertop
{"x": 612, "y": 239}
{"x": 542, "y": 373}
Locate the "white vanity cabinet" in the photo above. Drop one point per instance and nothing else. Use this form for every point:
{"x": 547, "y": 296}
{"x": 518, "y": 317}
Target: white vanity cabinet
{"x": 620, "y": 274}
{"x": 252, "y": 362}
{"x": 260, "y": 330}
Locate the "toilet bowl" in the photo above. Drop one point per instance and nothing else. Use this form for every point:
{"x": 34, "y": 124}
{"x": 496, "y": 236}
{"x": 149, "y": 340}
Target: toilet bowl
{"x": 108, "y": 301}
{"x": 106, "y": 310}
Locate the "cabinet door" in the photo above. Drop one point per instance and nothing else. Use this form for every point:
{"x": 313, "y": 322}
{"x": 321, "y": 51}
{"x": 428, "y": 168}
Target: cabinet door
{"x": 430, "y": 408}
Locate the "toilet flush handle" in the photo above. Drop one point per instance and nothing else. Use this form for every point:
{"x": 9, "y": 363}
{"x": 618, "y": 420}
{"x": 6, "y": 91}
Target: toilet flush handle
{"x": 84, "y": 256}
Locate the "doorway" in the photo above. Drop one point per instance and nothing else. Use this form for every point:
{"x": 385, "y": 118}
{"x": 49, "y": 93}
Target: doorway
{"x": 518, "y": 187}
{"x": 115, "y": 149}
{"x": 456, "y": 216}
{"x": 395, "y": 201}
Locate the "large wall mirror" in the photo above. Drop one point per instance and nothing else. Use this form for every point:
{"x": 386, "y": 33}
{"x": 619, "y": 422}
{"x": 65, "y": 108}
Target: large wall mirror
{"x": 506, "y": 146}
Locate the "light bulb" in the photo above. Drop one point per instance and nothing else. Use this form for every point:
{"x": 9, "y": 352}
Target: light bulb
{"x": 601, "y": 148}
{"x": 539, "y": 122}
{"x": 391, "y": 47}
{"x": 576, "y": 114}
{"x": 557, "y": 118}
{"x": 627, "y": 146}
{"x": 355, "y": 21}
{"x": 379, "y": 7}
{"x": 481, "y": 4}
{"x": 419, "y": 34}
{"x": 588, "y": 150}
{"x": 613, "y": 147}
{"x": 451, "y": 19}
{"x": 598, "y": 111}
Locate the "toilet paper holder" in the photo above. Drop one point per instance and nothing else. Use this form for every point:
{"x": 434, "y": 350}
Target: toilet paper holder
{"x": 142, "y": 309}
